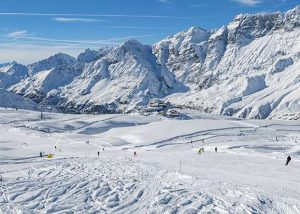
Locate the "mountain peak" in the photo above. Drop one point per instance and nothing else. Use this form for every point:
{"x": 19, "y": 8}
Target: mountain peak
{"x": 8, "y": 63}
{"x": 294, "y": 10}
{"x": 88, "y": 56}
{"x": 131, "y": 46}
{"x": 59, "y": 59}
{"x": 292, "y": 18}
{"x": 195, "y": 29}
{"x": 276, "y": 20}
{"x": 62, "y": 57}
{"x": 91, "y": 55}
{"x": 132, "y": 43}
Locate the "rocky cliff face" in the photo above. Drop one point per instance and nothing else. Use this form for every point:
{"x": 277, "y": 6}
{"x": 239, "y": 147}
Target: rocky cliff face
{"x": 248, "y": 68}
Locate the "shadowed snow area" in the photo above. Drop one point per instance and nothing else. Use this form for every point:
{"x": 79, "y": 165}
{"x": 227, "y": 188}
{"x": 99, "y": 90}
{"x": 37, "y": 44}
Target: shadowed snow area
{"x": 246, "y": 175}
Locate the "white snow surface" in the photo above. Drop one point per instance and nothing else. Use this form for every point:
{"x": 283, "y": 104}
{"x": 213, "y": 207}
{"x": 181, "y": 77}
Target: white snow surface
{"x": 246, "y": 175}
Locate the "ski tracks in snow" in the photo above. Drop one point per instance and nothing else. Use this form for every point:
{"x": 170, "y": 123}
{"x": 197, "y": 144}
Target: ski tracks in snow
{"x": 98, "y": 185}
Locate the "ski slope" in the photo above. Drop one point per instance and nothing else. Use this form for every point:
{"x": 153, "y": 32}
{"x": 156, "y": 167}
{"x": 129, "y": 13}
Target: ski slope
{"x": 246, "y": 175}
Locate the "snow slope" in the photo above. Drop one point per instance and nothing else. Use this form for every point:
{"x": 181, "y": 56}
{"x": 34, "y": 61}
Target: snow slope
{"x": 11, "y": 100}
{"x": 246, "y": 175}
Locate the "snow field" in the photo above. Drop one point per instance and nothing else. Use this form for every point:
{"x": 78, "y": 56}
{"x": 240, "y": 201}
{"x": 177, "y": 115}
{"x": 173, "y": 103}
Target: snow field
{"x": 246, "y": 175}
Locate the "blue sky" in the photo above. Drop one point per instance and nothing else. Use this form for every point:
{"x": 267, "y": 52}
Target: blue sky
{"x": 34, "y": 29}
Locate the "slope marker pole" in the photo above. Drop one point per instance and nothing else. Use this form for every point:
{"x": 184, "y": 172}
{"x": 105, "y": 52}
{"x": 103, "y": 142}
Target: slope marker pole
{"x": 179, "y": 167}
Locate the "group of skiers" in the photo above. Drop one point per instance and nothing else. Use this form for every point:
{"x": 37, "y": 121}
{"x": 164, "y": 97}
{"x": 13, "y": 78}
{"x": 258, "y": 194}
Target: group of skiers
{"x": 200, "y": 151}
{"x": 99, "y": 152}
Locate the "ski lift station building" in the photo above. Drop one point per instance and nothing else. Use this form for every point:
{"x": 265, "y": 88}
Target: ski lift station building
{"x": 172, "y": 113}
{"x": 156, "y": 103}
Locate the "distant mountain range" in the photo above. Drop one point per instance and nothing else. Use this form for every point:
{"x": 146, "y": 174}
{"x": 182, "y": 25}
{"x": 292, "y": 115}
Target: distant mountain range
{"x": 249, "y": 68}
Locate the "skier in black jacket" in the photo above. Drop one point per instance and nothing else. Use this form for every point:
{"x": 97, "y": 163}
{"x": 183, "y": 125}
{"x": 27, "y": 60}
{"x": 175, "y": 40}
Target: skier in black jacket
{"x": 288, "y": 160}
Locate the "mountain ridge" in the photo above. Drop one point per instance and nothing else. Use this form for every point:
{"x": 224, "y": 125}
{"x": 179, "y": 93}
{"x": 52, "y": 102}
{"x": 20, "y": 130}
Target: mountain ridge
{"x": 248, "y": 68}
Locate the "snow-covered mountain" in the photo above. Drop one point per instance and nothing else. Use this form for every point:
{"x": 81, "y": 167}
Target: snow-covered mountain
{"x": 248, "y": 68}
{"x": 108, "y": 80}
{"x": 12, "y": 73}
{"x": 91, "y": 55}
{"x": 125, "y": 77}
{"x": 57, "y": 60}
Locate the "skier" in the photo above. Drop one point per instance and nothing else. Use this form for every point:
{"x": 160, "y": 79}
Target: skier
{"x": 41, "y": 154}
{"x": 134, "y": 154}
{"x": 98, "y": 153}
{"x": 216, "y": 149}
{"x": 192, "y": 144}
{"x": 55, "y": 147}
{"x": 200, "y": 150}
{"x": 288, "y": 160}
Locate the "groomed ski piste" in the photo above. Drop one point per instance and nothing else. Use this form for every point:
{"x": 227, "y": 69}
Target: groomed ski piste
{"x": 246, "y": 175}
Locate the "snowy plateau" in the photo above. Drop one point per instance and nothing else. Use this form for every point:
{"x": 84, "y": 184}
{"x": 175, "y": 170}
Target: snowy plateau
{"x": 232, "y": 100}
{"x": 247, "y": 174}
